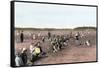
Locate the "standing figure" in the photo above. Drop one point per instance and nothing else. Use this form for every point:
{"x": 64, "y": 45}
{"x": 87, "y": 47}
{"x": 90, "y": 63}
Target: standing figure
{"x": 49, "y": 35}
{"x": 77, "y": 35}
{"x": 18, "y": 60}
{"x": 31, "y": 47}
{"x": 22, "y": 37}
{"x": 18, "y": 37}
{"x": 24, "y": 56}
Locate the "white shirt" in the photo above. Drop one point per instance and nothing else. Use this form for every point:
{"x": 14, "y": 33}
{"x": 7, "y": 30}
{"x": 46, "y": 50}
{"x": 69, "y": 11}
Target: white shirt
{"x": 31, "y": 48}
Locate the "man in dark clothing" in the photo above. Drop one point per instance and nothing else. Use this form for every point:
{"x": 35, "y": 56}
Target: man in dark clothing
{"x": 24, "y": 56}
{"x": 22, "y": 37}
{"x": 49, "y": 35}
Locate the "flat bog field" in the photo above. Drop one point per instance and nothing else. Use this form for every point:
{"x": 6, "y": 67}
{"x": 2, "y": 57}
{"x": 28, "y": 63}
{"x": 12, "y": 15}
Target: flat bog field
{"x": 72, "y": 52}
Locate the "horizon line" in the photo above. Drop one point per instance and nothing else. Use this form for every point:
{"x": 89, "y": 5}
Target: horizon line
{"x": 54, "y": 27}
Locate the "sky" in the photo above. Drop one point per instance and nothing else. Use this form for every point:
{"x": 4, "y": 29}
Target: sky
{"x": 36, "y": 15}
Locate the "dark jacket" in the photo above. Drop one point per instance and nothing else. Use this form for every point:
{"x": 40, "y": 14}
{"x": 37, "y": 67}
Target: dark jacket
{"x": 24, "y": 58}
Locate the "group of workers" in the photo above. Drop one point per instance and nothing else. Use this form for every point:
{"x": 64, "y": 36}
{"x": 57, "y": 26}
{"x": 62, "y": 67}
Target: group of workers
{"x": 21, "y": 59}
{"x": 57, "y": 43}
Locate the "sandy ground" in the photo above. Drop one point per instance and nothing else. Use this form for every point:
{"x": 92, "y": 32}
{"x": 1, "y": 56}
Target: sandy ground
{"x": 69, "y": 54}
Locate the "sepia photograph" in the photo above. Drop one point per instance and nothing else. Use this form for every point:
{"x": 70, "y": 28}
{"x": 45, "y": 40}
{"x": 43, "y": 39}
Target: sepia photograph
{"x": 54, "y": 33}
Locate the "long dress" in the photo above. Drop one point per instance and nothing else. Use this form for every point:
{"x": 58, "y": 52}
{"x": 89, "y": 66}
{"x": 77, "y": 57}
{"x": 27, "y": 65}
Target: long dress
{"x": 18, "y": 61}
{"x": 22, "y": 37}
